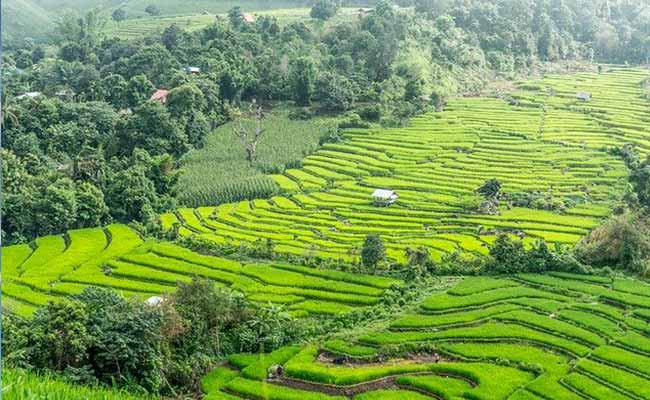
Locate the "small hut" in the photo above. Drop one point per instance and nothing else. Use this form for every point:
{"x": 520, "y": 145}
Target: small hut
{"x": 160, "y": 96}
{"x": 248, "y": 18}
{"x": 154, "y": 301}
{"x": 193, "y": 70}
{"x": 583, "y": 96}
{"x": 29, "y": 95}
{"x": 384, "y": 197}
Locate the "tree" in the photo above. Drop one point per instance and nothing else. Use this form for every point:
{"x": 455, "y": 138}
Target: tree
{"x": 185, "y": 99}
{"x": 138, "y": 90}
{"x": 171, "y": 36}
{"x": 91, "y": 208}
{"x": 115, "y": 89}
{"x": 236, "y": 17}
{"x": 373, "y": 251}
{"x": 335, "y": 92}
{"x": 119, "y": 15}
{"x": 303, "y": 74}
{"x": 491, "y": 189}
{"x": 507, "y": 256}
{"x": 324, "y": 9}
{"x": 249, "y": 137}
{"x": 152, "y": 128}
{"x": 152, "y": 10}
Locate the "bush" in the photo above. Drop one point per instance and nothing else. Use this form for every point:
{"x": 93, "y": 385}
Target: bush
{"x": 622, "y": 242}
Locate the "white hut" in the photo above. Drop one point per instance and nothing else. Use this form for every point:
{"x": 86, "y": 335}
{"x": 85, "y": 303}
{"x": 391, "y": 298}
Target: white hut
{"x": 29, "y": 95}
{"x": 154, "y": 301}
{"x": 583, "y": 96}
{"x": 384, "y": 197}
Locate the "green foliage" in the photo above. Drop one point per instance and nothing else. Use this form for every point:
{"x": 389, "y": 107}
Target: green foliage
{"x": 324, "y": 9}
{"x": 119, "y": 15}
{"x": 373, "y": 251}
{"x": 96, "y": 337}
{"x": 302, "y": 77}
{"x": 621, "y": 242}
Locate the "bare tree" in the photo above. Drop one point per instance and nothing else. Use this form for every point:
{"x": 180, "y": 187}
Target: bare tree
{"x": 249, "y": 137}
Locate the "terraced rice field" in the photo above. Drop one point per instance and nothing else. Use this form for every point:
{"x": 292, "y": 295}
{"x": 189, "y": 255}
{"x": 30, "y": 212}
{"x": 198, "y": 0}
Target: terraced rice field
{"x": 117, "y": 257}
{"x": 541, "y": 138}
{"x": 524, "y": 337}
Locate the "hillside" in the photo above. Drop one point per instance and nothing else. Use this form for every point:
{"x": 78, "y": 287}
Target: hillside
{"x": 116, "y": 257}
{"x": 24, "y": 18}
{"x": 539, "y": 141}
{"x": 525, "y": 337}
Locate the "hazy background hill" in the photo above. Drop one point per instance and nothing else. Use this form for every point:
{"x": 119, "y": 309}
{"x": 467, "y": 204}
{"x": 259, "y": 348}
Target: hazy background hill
{"x": 36, "y": 18}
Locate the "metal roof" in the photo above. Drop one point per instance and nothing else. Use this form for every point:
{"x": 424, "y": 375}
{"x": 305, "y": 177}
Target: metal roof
{"x": 383, "y": 193}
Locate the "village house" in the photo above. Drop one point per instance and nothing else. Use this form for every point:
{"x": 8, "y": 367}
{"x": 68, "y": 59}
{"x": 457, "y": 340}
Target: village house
{"x": 583, "y": 96}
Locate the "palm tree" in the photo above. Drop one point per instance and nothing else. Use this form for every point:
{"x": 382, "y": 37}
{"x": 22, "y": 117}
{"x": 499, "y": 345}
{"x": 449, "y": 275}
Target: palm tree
{"x": 8, "y": 113}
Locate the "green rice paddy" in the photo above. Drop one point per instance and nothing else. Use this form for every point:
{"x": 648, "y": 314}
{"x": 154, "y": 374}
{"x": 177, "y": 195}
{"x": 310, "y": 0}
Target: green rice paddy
{"x": 117, "y": 257}
{"x": 559, "y": 339}
{"x": 538, "y": 139}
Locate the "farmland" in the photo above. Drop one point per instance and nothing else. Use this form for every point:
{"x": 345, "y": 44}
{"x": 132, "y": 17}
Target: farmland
{"x": 538, "y": 139}
{"x": 219, "y": 173}
{"x": 117, "y": 257}
{"x": 134, "y": 28}
{"x": 518, "y": 337}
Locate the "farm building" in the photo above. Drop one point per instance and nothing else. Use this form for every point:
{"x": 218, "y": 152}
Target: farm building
{"x": 160, "y": 95}
{"x": 193, "y": 70}
{"x": 248, "y": 17}
{"x": 383, "y": 197}
{"x": 583, "y": 96}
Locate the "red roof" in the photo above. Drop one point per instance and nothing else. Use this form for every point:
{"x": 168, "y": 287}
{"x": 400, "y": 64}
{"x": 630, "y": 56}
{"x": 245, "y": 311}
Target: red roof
{"x": 160, "y": 95}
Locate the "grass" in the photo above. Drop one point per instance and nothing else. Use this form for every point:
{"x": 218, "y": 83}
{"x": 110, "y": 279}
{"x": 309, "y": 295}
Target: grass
{"x": 22, "y": 385}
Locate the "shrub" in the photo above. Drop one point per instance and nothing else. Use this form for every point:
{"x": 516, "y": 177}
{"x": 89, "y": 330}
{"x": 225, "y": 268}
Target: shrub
{"x": 623, "y": 242}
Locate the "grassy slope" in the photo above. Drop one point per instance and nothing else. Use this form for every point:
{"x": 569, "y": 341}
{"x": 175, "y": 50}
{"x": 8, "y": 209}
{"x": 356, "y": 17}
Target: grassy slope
{"x": 19, "y": 385}
{"x": 580, "y": 347}
{"x": 24, "y": 18}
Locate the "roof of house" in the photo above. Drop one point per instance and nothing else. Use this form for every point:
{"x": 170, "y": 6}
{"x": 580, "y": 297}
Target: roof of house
{"x": 154, "y": 300}
{"x": 383, "y": 193}
{"x": 29, "y": 94}
{"x": 192, "y": 69}
{"x": 583, "y": 94}
{"x": 160, "y": 94}
{"x": 248, "y": 17}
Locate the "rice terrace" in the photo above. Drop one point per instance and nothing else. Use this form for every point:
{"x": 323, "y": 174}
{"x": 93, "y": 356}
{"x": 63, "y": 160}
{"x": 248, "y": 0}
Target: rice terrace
{"x": 358, "y": 200}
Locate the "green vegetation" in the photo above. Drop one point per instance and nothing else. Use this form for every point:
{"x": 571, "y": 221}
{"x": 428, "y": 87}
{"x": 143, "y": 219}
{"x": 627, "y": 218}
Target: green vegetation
{"x": 22, "y": 385}
{"x": 218, "y": 173}
{"x": 422, "y": 162}
{"x": 566, "y": 352}
{"x": 142, "y": 270}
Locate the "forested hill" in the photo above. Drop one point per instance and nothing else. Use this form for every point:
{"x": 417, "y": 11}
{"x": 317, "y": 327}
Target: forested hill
{"x": 86, "y": 146}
